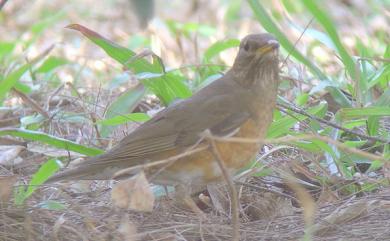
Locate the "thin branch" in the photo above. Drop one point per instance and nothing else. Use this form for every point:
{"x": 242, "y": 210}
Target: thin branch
{"x": 231, "y": 187}
{"x": 289, "y": 139}
{"x": 27, "y": 100}
{"x": 332, "y": 124}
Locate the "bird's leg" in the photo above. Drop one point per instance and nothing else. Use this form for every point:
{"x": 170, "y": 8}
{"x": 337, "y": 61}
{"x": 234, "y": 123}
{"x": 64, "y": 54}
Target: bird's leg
{"x": 182, "y": 195}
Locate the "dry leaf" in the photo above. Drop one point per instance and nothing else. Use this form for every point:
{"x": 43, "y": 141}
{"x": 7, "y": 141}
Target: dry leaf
{"x": 6, "y": 186}
{"x": 134, "y": 193}
{"x": 9, "y": 154}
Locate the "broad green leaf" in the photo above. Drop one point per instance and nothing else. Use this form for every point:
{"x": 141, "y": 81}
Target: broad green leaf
{"x": 354, "y": 123}
{"x": 121, "y": 119}
{"x": 10, "y": 80}
{"x": 350, "y": 113}
{"x": 167, "y": 86}
{"x": 44, "y": 172}
{"x": 281, "y": 127}
{"x": 6, "y": 48}
{"x": 380, "y": 75}
{"x": 373, "y": 125}
{"x": 218, "y": 47}
{"x": 307, "y": 145}
{"x": 123, "y": 105}
{"x": 375, "y": 165}
{"x": 51, "y": 140}
{"x": 51, "y": 63}
{"x": 23, "y": 88}
{"x": 302, "y": 99}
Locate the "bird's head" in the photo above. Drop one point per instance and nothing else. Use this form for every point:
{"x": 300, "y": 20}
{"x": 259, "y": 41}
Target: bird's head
{"x": 258, "y": 55}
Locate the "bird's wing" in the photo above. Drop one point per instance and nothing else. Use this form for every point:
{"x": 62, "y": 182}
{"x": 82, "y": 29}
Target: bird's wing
{"x": 178, "y": 126}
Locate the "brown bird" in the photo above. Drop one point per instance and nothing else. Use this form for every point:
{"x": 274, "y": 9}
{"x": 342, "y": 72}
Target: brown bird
{"x": 239, "y": 104}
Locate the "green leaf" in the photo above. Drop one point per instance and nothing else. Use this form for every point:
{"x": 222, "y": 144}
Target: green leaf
{"x": 218, "y": 47}
{"x": 373, "y": 125}
{"x": 123, "y": 105}
{"x": 44, "y": 172}
{"x": 50, "y": 64}
{"x": 375, "y": 165}
{"x": 10, "y": 80}
{"x": 351, "y": 113}
{"x": 6, "y": 48}
{"x": 383, "y": 74}
{"x": 121, "y": 119}
{"x": 51, "y": 140}
{"x": 281, "y": 127}
{"x": 167, "y": 86}
{"x": 302, "y": 99}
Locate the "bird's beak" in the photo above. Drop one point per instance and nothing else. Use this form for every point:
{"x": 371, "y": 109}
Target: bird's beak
{"x": 271, "y": 45}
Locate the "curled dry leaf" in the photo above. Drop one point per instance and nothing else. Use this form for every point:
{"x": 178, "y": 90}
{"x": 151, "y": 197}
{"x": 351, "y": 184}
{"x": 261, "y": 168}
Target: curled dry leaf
{"x": 134, "y": 193}
{"x": 9, "y": 155}
{"x": 6, "y": 187}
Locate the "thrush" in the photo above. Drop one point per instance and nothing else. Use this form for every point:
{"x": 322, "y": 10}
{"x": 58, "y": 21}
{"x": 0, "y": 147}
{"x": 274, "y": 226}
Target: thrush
{"x": 171, "y": 147}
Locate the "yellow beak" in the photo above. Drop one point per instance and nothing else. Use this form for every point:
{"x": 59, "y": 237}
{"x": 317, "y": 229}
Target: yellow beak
{"x": 271, "y": 45}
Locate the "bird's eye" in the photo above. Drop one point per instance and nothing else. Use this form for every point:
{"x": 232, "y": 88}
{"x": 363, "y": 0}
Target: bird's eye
{"x": 246, "y": 46}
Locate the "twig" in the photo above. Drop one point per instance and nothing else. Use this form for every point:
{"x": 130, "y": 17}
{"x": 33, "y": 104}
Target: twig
{"x": 296, "y": 42}
{"x": 51, "y": 96}
{"x": 289, "y": 139}
{"x": 91, "y": 115}
{"x": 302, "y": 112}
{"x": 31, "y": 102}
{"x": 231, "y": 187}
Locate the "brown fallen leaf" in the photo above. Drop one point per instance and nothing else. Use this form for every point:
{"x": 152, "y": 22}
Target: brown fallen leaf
{"x": 9, "y": 155}
{"x": 134, "y": 193}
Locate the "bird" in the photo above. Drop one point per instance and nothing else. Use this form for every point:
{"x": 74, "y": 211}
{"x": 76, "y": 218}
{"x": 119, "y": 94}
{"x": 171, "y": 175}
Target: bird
{"x": 171, "y": 147}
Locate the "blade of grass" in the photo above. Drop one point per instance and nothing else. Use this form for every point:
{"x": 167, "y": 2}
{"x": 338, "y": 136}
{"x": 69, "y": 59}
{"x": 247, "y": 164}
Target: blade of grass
{"x": 350, "y": 113}
{"x": 44, "y": 172}
{"x": 51, "y": 140}
{"x": 12, "y": 79}
{"x": 168, "y": 86}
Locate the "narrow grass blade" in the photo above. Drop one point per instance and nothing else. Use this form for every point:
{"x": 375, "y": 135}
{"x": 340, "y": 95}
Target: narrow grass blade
{"x": 51, "y": 140}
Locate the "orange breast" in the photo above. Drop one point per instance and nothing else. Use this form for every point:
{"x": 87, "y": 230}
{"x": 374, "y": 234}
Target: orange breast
{"x": 201, "y": 168}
